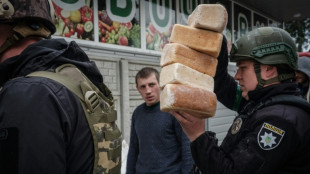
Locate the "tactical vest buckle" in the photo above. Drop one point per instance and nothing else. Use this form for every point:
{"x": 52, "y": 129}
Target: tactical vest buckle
{"x": 92, "y": 100}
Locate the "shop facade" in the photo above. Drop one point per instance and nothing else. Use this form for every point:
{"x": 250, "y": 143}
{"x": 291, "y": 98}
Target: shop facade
{"x": 123, "y": 36}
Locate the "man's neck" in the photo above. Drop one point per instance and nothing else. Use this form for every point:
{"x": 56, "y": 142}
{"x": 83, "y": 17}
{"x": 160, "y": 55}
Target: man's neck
{"x": 18, "y": 48}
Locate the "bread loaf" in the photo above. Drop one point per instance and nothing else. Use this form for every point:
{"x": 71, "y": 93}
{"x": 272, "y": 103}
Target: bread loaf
{"x": 196, "y": 101}
{"x": 209, "y": 16}
{"x": 178, "y": 53}
{"x": 208, "y": 42}
{"x": 177, "y": 73}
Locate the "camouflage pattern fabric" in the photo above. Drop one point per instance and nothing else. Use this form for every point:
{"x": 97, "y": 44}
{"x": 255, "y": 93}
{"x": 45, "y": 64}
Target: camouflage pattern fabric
{"x": 28, "y": 10}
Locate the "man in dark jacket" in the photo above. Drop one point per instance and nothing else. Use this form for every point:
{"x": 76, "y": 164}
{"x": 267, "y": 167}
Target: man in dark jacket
{"x": 43, "y": 128}
{"x": 157, "y": 142}
{"x": 265, "y": 137}
{"x": 303, "y": 77}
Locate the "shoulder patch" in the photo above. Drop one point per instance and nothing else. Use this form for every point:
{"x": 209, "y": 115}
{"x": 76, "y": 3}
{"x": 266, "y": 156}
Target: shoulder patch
{"x": 269, "y": 136}
{"x": 236, "y": 126}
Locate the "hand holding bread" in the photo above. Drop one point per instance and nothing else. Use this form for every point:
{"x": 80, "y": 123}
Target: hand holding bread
{"x": 189, "y": 62}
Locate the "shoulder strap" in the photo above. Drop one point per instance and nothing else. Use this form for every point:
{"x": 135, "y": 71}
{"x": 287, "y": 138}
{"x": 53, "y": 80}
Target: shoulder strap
{"x": 283, "y": 99}
{"x": 67, "y": 82}
{"x": 291, "y": 100}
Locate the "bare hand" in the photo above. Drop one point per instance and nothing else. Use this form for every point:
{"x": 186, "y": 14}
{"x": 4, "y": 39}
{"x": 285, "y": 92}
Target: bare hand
{"x": 192, "y": 126}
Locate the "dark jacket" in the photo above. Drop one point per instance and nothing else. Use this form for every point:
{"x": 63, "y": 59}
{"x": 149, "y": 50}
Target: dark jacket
{"x": 273, "y": 139}
{"x": 44, "y": 126}
{"x": 157, "y": 143}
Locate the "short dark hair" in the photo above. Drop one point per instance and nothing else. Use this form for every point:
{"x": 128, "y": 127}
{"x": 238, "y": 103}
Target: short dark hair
{"x": 146, "y": 72}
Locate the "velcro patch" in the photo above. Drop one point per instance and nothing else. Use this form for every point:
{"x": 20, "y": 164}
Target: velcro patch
{"x": 269, "y": 136}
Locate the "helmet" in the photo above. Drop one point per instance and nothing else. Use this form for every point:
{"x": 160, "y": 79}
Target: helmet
{"x": 28, "y": 18}
{"x": 269, "y": 46}
{"x": 266, "y": 45}
{"x": 15, "y": 11}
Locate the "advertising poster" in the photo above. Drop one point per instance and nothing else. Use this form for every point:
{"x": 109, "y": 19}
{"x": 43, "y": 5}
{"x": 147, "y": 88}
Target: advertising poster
{"x": 160, "y": 18}
{"x": 74, "y": 19}
{"x": 259, "y": 21}
{"x": 185, "y": 9}
{"x": 242, "y": 21}
{"x": 119, "y": 22}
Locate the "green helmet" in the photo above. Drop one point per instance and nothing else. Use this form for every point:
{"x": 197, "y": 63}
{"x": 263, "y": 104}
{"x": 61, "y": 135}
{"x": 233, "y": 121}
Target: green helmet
{"x": 28, "y": 18}
{"x": 269, "y": 46}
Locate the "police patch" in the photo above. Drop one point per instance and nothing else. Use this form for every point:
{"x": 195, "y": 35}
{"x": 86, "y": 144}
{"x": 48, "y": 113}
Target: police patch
{"x": 269, "y": 136}
{"x": 236, "y": 126}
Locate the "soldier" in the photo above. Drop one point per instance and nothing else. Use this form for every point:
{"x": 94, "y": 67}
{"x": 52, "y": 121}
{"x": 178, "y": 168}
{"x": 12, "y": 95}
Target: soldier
{"x": 271, "y": 134}
{"x": 44, "y": 128}
{"x": 303, "y": 76}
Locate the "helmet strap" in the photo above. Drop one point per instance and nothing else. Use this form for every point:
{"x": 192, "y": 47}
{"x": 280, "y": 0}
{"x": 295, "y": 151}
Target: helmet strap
{"x": 257, "y": 70}
{"x": 262, "y": 82}
{"x": 23, "y": 30}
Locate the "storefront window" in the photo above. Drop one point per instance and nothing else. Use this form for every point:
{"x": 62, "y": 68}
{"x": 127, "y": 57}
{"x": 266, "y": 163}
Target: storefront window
{"x": 185, "y": 9}
{"x": 74, "y": 19}
{"x": 160, "y": 18}
{"x": 273, "y": 23}
{"x": 242, "y": 21}
{"x": 119, "y": 22}
{"x": 259, "y": 21}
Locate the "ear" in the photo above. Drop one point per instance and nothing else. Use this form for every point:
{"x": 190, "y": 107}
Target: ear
{"x": 271, "y": 71}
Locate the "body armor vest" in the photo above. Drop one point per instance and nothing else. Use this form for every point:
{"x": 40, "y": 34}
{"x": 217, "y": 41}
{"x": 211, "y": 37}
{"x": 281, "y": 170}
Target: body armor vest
{"x": 100, "y": 113}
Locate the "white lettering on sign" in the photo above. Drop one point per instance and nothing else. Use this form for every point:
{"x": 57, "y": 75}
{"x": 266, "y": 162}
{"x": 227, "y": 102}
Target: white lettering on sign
{"x": 121, "y": 10}
{"x": 161, "y": 16}
{"x": 258, "y": 24}
{"x": 187, "y": 7}
{"x": 242, "y": 25}
{"x": 70, "y": 5}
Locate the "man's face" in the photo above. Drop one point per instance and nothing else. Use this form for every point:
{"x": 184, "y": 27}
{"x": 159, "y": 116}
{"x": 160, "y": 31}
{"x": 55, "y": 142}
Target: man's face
{"x": 149, "y": 89}
{"x": 246, "y": 77}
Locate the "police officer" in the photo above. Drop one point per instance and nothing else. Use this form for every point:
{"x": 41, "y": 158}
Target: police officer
{"x": 43, "y": 127}
{"x": 271, "y": 132}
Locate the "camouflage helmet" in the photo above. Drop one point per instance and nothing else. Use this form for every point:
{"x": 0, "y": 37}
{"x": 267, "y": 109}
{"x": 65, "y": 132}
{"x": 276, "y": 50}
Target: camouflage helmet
{"x": 266, "y": 45}
{"x": 15, "y": 11}
{"x": 27, "y": 18}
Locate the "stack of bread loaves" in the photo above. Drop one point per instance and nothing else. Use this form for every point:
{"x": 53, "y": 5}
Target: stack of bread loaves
{"x": 189, "y": 62}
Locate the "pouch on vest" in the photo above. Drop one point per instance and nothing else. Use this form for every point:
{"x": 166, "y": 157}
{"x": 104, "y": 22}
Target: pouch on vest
{"x": 100, "y": 113}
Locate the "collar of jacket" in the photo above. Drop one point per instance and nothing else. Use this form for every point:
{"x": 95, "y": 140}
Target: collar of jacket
{"x": 48, "y": 54}
{"x": 273, "y": 90}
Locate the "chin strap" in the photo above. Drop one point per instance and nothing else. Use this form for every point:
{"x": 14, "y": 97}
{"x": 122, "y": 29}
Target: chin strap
{"x": 262, "y": 82}
{"x": 22, "y": 30}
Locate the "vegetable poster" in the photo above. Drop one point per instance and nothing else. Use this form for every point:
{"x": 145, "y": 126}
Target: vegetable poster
{"x": 74, "y": 19}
